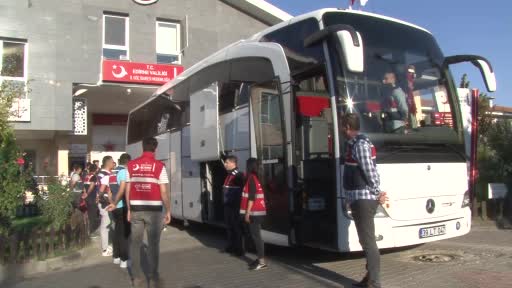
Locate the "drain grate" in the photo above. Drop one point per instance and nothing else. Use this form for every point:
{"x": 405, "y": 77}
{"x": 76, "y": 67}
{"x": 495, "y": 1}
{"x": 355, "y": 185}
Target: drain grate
{"x": 435, "y": 258}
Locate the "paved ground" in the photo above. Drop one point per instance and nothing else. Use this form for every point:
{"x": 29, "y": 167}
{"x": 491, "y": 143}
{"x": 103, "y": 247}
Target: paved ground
{"x": 191, "y": 259}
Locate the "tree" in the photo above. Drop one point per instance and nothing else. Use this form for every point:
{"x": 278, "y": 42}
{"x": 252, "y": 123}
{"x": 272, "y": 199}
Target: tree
{"x": 485, "y": 120}
{"x": 12, "y": 181}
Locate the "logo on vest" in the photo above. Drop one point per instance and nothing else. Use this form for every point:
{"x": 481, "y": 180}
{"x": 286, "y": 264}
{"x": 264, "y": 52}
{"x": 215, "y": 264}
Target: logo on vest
{"x": 145, "y": 2}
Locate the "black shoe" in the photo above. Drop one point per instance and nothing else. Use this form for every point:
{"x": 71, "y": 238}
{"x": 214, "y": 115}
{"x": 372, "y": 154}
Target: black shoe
{"x": 254, "y": 263}
{"x": 259, "y": 266}
{"x": 228, "y": 250}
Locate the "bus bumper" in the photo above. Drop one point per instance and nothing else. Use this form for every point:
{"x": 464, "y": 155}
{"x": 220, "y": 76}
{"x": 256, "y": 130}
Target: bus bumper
{"x": 390, "y": 233}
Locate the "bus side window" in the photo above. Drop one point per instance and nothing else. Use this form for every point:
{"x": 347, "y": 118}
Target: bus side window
{"x": 227, "y": 94}
{"x": 243, "y": 95}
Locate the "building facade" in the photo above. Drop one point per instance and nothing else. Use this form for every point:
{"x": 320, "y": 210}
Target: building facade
{"x": 87, "y": 63}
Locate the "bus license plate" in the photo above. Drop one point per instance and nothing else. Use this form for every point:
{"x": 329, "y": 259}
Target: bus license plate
{"x": 432, "y": 231}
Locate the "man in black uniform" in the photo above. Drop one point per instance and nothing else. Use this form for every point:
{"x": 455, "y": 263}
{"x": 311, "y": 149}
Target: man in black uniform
{"x": 232, "y": 191}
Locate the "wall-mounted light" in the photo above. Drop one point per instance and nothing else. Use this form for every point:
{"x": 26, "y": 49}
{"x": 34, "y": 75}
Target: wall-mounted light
{"x": 80, "y": 92}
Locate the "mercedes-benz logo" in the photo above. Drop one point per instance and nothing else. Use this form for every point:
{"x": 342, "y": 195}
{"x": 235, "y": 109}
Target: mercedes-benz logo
{"x": 431, "y": 206}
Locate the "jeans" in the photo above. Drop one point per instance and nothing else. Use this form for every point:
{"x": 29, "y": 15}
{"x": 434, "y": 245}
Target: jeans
{"x": 363, "y": 212}
{"x": 255, "y": 229}
{"x": 151, "y": 223}
{"x": 121, "y": 234}
{"x": 233, "y": 228}
{"x": 104, "y": 230}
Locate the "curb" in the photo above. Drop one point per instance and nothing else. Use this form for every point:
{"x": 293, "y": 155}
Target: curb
{"x": 12, "y": 273}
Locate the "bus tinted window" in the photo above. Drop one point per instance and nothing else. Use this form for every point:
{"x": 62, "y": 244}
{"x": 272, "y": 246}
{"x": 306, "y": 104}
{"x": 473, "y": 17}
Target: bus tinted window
{"x": 227, "y": 94}
{"x": 251, "y": 69}
{"x": 154, "y": 118}
{"x": 292, "y": 39}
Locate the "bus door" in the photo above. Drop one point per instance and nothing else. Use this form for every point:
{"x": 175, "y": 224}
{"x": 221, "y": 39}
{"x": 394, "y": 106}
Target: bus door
{"x": 315, "y": 193}
{"x": 269, "y": 147}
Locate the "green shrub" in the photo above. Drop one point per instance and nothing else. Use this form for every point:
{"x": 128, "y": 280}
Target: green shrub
{"x": 57, "y": 207}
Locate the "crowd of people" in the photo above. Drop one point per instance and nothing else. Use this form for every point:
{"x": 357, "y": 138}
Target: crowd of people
{"x": 94, "y": 189}
{"x": 132, "y": 198}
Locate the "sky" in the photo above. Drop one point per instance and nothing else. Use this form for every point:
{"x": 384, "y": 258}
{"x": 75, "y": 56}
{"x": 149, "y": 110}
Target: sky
{"x": 460, "y": 26}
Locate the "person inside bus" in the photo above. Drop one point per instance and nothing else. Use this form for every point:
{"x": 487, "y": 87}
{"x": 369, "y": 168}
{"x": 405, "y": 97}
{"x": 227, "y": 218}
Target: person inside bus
{"x": 361, "y": 183}
{"x": 253, "y": 209}
{"x": 395, "y": 109}
{"x": 232, "y": 190}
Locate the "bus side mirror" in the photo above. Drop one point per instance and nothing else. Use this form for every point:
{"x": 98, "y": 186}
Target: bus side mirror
{"x": 352, "y": 50}
{"x": 350, "y": 41}
{"x": 481, "y": 63}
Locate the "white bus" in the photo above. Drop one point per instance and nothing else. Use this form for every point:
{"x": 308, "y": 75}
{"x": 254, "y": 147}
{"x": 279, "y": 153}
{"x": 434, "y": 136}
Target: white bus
{"x": 279, "y": 95}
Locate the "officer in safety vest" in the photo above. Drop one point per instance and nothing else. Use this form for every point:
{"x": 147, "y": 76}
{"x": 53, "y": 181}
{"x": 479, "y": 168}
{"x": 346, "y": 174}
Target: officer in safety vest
{"x": 232, "y": 190}
{"x": 361, "y": 187}
{"x": 146, "y": 192}
{"x": 253, "y": 209}
{"x": 90, "y": 198}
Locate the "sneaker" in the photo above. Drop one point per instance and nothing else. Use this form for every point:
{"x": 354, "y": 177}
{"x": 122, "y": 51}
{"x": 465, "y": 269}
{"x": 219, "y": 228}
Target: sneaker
{"x": 124, "y": 264}
{"x": 259, "y": 266}
{"x": 117, "y": 261}
{"x": 106, "y": 253}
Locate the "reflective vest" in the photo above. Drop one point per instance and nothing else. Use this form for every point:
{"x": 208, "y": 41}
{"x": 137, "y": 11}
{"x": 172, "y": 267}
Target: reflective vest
{"x": 144, "y": 173}
{"x": 101, "y": 174}
{"x": 231, "y": 189}
{"x": 88, "y": 181}
{"x": 353, "y": 176}
{"x": 113, "y": 183}
{"x": 258, "y": 206}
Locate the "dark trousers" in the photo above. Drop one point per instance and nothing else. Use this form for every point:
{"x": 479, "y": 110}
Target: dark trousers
{"x": 151, "y": 223}
{"x": 255, "y": 230}
{"x": 121, "y": 234}
{"x": 92, "y": 212}
{"x": 233, "y": 228}
{"x": 363, "y": 212}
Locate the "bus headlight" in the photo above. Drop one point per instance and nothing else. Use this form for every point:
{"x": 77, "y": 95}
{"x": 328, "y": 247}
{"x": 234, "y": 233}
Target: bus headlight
{"x": 381, "y": 212}
{"x": 466, "y": 200}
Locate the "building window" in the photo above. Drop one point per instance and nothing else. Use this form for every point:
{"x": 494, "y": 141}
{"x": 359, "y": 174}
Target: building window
{"x": 168, "y": 43}
{"x": 13, "y": 60}
{"x": 13, "y": 65}
{"x": 115, "y": 37}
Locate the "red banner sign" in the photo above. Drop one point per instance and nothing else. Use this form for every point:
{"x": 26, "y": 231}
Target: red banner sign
{"x": 130, "y": 72}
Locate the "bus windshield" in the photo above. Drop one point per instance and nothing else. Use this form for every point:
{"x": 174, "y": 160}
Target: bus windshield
{"x": 403, "y": 95}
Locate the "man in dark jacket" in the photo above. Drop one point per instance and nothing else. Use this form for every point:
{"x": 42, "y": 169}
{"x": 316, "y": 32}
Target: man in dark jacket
{"x": 232, "y": 191}
{"x": 361, "y": 184}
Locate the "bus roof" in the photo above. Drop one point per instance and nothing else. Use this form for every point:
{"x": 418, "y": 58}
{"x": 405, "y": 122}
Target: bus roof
{"x": 318, "y": 15}
{"x": 221, "y": 54}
